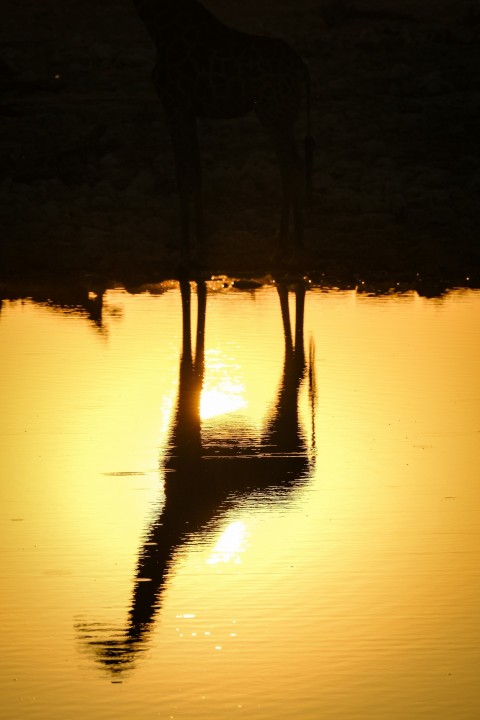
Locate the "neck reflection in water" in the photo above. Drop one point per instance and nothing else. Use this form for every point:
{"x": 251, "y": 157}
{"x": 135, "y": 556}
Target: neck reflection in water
{"x": 206, "y": 473}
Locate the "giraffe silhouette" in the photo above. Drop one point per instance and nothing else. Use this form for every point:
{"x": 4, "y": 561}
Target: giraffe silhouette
{"x": 203, "y": 479}
{"x": 206, "y": 69}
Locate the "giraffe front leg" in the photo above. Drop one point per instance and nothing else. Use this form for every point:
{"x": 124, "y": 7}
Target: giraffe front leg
{"x": 290, "y": 167}
{"x": 291, "y": 192}
{"x": 285, "y": 214}
{"x": 182, "y": 127}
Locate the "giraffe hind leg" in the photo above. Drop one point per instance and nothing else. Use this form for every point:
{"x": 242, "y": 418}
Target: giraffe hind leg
{"x": 282, "y": 137}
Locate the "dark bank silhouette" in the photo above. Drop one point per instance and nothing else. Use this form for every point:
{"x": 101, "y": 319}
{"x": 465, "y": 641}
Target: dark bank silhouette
{"x": 205, "y": 474}
{"x": 74, "y": 298}
{"x": 207, "y": 69}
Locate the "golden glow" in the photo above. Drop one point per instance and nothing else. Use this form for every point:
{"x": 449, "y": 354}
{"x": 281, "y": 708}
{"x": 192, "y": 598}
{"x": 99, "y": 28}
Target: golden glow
{"x": 220, "y": 401}
{"x": 223, "y": 391}
{"x": 230, "y": 545}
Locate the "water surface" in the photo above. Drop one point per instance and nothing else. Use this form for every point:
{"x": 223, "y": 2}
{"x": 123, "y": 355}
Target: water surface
{"x": 246, "y": 521}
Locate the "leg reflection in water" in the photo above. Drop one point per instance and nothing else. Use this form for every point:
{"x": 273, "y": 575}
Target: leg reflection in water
{"x": 206, "y": 476}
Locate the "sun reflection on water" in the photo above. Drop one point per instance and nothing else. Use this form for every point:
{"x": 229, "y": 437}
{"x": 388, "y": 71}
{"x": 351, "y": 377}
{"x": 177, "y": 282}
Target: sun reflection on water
{"x": 225, "y": 398}
{"x": 223, "y": 392}
{"x": 230, "y": 545}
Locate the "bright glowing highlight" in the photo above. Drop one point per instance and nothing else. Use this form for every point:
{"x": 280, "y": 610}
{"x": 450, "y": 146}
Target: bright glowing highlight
{"x": 230, "y": 545}
{"x": 227, "y": 397}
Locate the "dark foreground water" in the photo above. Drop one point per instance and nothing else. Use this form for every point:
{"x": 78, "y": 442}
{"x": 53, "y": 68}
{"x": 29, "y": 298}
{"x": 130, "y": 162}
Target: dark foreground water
{"x": 257, "y": 523}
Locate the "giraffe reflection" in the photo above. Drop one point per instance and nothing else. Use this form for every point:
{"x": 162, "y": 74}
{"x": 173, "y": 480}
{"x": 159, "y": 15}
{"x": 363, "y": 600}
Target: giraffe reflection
{"x": 204, "y": 477}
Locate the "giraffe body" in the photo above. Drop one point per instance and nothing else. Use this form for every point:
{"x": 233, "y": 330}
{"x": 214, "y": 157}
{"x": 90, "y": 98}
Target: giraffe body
{"x": 207, "y": 69}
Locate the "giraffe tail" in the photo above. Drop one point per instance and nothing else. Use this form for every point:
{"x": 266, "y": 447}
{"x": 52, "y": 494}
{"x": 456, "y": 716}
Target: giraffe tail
{"x": 309, "y": 142}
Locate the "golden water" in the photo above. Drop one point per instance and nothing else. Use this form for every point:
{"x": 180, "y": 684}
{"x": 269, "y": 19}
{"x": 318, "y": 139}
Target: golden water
{"x": 317, "y": 556}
